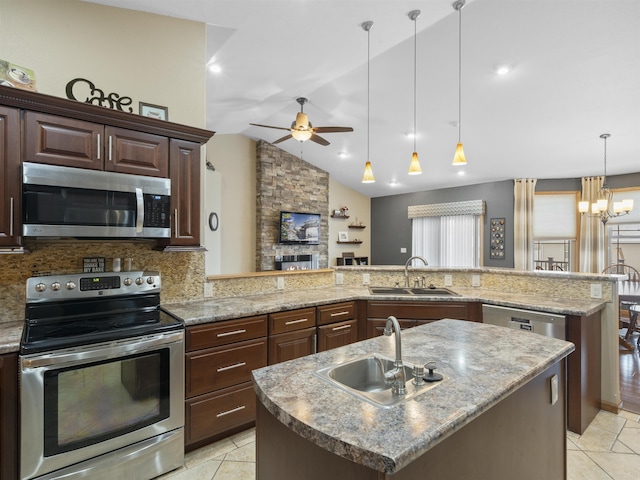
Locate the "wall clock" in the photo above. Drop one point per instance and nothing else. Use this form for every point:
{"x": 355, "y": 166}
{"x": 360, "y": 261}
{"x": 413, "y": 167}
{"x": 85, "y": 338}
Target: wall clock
{"x": 213, "y": 221}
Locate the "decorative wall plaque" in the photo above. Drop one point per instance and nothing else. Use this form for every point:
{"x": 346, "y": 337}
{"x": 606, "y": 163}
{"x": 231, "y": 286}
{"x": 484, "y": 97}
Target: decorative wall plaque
{"x": 93, "y": 264}
{"x": 497, "y": 238}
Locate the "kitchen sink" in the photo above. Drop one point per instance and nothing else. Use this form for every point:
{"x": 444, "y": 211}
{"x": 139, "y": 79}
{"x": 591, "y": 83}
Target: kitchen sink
{"x": 441, "y": 292}
{"x": 363, "y": 377}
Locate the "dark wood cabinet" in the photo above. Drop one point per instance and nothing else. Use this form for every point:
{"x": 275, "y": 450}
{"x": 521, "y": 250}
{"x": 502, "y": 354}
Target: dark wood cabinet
{"x": 10, "y": 178}
{"x": 337, "y": 325}
{"x": 411, "y": 314}
{"x": 9, "y": 416}
{"x": 292, "y": 334}
{"x": 219, "y": 397}
{"x": 69, "y": 142}
{"x": 185, "y": 193}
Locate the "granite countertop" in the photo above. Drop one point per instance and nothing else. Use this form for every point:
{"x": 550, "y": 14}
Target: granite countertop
{"x": 206, "y": 311}
{"x": 218, "y": 309}
{"x": 482, "y": 364}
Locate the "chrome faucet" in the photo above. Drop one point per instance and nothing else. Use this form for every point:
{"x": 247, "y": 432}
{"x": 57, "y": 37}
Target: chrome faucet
{"x": 397, "y": 376}
{"x": 406, "y": 268}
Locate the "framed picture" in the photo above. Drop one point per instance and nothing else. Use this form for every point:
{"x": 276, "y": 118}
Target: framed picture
{"x": 154, "y": 111}
{"x": 343, "y": 236}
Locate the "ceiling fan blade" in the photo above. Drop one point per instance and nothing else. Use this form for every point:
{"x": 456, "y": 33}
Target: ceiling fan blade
{"x": 332, "y": 129}
{"x": 269, "y": 126}
{"x": 320, "y": 140}
{"x": 286, "y": 137}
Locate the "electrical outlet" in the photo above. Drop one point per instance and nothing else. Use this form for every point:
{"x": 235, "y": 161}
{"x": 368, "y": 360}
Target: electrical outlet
{"x": 448, "y": 280}
{"x": 366, "y": 278}
{"x": 208, "y": 290}
{"x": 280, "y": 283}
{"x": 403, "y": 250}
{"x": 475, "y": 280}
{"x": 596, "y": 290}
{"x": 339, "y": 278}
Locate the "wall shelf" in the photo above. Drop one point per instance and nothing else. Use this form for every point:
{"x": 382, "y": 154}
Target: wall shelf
{"x": 358, "y": 227}
{"x": 353, "y": 241}
{"x": 339, "y": 216}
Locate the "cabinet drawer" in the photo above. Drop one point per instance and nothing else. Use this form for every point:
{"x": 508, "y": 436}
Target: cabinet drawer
{"x": 213, "y": 414}
{"x": 293, "y": 320}
{"x": 418, "y": 310}
{"x": 223, "y": 333}
{"x": 221, "y": 367}
{"x": 336, "y": 313}
{"x": 337, "y": 335}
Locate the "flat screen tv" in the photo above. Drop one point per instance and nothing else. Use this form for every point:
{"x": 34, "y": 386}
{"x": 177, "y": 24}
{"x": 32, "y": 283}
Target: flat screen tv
{"x": 300, "y": 228}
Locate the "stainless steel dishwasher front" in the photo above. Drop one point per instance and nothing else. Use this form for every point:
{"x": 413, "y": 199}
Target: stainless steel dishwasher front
{"x": 548, "y": 324}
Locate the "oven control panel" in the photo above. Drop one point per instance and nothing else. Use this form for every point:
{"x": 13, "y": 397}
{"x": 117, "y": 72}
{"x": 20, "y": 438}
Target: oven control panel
{"x": 66, "y": 287}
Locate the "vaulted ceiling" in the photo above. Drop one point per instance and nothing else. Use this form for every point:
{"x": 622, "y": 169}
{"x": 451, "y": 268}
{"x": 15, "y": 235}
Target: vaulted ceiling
{"x": 574, "y": 74}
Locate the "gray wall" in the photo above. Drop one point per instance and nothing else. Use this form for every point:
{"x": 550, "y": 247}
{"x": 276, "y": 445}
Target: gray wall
{"x": 391, "y": 227}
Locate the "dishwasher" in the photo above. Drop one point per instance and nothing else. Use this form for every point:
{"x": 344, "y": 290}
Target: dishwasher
{"x": 548, "y": 324}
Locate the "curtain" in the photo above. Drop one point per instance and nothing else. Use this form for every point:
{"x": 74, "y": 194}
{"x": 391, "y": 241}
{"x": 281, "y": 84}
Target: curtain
{"x": 448, "y": 241}
{"x": 523, "y": 244}
{"x": 592, "y": 231}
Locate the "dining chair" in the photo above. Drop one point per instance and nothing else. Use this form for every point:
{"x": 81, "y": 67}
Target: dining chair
{"x": 628, "y": 310}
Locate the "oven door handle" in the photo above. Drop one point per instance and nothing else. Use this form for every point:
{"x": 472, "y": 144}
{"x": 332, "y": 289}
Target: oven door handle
{"x": 101, "y": 351}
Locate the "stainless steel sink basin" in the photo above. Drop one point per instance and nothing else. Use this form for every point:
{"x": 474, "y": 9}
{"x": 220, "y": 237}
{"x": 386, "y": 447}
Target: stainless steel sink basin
{"x": 441, "y": 292}
{"x": 363, "y": 378}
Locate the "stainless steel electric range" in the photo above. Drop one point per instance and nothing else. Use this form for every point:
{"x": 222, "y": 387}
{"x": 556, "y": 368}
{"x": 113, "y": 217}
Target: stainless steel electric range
{"x": 101, "y": 379}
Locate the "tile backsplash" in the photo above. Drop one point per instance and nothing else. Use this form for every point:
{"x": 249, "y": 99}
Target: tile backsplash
{"x": 182, "y": 273}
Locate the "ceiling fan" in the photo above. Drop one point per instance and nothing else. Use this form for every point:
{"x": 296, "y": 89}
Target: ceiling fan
{"x": 302, "y": 130}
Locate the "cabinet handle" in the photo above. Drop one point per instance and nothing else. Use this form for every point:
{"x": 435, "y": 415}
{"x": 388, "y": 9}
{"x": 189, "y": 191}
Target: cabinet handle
{"x": 337, "y": 314}
{"x": 11, "y": 217}
{"x": 231, "y": 367}
{"x": 315, "y": 343}
{"x": 110, "y": 147}
{"x": 139, "y": 210}
{"x": 300, "y": 320}
{"x": 342, "y": 327}
{"x": 175, "y": 221}
{"x": 233, "y": 410}
{"x": 99, "y": 146}
{"x": 235, "y": 332}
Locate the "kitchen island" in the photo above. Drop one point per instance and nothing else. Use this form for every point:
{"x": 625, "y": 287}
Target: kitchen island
{"x": 493, "y": 416}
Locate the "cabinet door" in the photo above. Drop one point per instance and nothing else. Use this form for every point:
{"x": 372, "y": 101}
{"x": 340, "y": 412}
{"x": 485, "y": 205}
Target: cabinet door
{"x": 185, "y": 192}
{"x": 337, "y": 335}
{"x": 8, "y": 416}
{"x": 288, "y": 346}
{"x": 137, "y": 153}
{"x": 62, "y": 141}
{"x": 10, "y": 181}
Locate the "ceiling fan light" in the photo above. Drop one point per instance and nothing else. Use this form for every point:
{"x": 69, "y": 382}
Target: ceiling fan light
{"x": 459, "y": 158}
{"x": 301, "y": 135}
{"x": 368, "y": 177}
{"x": 302, "y": 121}
{"x": 414, "y": 167}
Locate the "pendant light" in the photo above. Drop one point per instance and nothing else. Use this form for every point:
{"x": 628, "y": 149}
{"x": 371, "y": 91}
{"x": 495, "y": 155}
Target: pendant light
{"x": 459, "y": 158}
{"x": 368, "y": 177}
{"x": 414, "y": 166}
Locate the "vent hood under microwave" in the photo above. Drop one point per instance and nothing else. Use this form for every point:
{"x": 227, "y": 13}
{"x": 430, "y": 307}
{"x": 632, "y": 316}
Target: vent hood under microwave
{"x": 74, "y": 202}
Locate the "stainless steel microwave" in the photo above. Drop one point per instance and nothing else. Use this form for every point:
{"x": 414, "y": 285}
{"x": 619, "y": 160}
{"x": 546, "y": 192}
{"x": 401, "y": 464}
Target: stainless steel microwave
{"x": 74, "y": 202}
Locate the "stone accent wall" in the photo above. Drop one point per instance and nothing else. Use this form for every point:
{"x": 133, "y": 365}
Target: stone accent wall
{"x": 286, "y": 183}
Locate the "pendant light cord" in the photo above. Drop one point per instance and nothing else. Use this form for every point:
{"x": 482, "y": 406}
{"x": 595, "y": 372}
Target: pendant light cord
{"x": 459, "y": 71}
{"x": 415, "y": 76}
{"x": 368, "y": 84}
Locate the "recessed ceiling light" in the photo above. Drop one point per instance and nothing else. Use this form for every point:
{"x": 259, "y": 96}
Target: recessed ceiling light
{"x": 460, "y": 173}
{"x": 343, "y": 154}
{"x": 215, "y": 68}
{"x": 393, "y": 183}
{"x": 503, "y": 70}
{"x": 410, "y": 135}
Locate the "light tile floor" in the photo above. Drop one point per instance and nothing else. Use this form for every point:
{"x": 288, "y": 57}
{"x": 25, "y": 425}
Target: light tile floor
{"x": 608, "y": 450}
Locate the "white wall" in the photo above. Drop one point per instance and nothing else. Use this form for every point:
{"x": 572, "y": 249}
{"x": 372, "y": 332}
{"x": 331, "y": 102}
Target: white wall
{"x": 150, "y": 58}
{"x": 234, "y": 158}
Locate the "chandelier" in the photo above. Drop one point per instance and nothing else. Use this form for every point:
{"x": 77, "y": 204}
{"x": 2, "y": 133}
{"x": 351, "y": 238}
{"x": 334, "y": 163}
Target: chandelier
{"x": 605, "y": 208}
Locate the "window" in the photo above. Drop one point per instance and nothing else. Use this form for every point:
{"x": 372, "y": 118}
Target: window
{"x": 555, "y": 231}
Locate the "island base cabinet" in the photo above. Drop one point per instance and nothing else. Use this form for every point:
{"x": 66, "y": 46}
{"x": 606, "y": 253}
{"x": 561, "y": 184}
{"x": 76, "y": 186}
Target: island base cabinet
{"x": 523, "y": 436}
